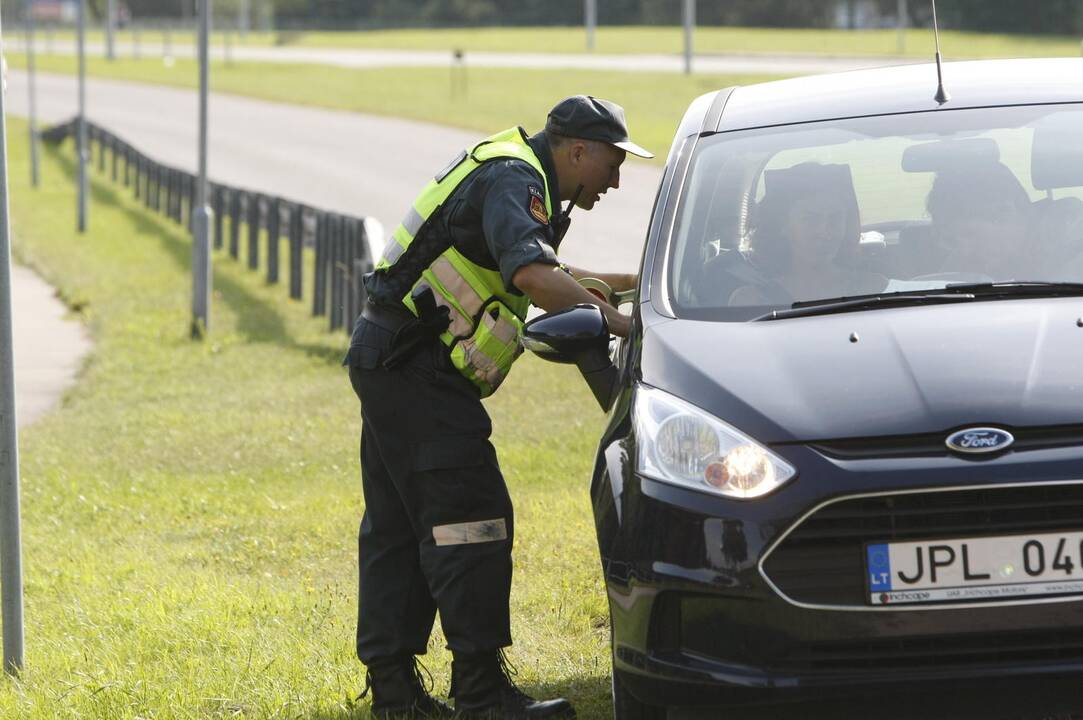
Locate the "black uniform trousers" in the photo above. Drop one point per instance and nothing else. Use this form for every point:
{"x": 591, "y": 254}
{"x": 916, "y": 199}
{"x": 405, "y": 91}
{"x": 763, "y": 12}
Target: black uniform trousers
{"x": 437, "y": 529}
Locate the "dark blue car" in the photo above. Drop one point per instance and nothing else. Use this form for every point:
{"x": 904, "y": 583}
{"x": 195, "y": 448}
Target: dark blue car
{"x": 845, "y": 449}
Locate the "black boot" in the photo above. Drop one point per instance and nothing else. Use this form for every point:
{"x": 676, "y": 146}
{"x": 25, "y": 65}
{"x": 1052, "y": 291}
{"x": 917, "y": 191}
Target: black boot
{"x": 483, "y": 690}
{"x": 399, "y": 691}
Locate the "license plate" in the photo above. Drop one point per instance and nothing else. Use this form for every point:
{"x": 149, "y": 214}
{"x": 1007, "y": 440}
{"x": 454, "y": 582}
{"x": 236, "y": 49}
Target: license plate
{"x": 975, "y": 569}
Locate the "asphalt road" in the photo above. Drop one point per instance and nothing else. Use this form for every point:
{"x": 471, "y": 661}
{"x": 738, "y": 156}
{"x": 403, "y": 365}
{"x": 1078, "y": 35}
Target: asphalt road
{"x": 347, "y": 162}
{"x": 795, "y": 64}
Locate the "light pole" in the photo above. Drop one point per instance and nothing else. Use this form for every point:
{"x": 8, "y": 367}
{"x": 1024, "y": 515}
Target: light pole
{"x": 31, "y": 78}
{"x": 110, "y": 15}
{"x": 80, "y": 139}
{"x": 590, "y": 19}
{"x": 689, "y": 25}
{"x": 11, "y": 561}
{"x": 203, "y": 221}
{"x": 902, "y": 22}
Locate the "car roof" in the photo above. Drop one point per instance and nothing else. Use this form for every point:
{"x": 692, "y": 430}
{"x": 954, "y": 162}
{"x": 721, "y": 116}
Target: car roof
{"x": 890, "y": 90}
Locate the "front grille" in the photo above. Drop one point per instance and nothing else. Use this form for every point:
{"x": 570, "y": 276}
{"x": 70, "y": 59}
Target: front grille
{"x": 822, "y": 562}
{"x": 944, "y": 651}
{"x": 932, "y": 444}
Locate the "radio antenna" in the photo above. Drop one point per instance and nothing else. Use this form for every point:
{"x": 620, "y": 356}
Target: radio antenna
{"x": 942, "y": 95}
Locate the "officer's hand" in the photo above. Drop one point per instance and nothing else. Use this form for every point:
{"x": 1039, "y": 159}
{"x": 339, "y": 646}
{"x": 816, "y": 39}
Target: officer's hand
{"x": 626, "y": 282}
{"x": 552, "y": 289}
{"x": 619, "y": 324}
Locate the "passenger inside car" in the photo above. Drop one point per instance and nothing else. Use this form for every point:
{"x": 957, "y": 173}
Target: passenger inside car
{"x": 1060, "y": 230}
{"x": 805, "y": 237}
{"x": 981, "y": 216}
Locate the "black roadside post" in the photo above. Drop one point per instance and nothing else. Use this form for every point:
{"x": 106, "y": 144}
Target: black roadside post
{"x": 274, "y": 218}
{"x": 348, "y": 251}
{"x": 355, "y": 269}
{"x": 366, "y": 263}
{"x": 236, "y": 198}
{"x": 191, "y": 187}
{"x": 319, "y": 276}
{"x": 218, "y": 206}
{"x": 297, "y": 233}
{"x": 255, "y": 212}
{"x": 171, "y": 195}
{"x": 137, "y": 184}
{"x": 113, "y": 157}
{"x": 334, "y": 267}
{"x": 159, "y": 171}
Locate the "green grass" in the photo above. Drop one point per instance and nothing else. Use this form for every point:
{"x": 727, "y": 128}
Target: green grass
{"x": 190, "y": 510}
{"x": 644, "y": 39}
{"x": 495, "y": 98}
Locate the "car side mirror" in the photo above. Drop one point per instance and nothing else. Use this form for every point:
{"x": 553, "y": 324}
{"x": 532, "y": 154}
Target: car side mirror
{"x": 577, "y": 335}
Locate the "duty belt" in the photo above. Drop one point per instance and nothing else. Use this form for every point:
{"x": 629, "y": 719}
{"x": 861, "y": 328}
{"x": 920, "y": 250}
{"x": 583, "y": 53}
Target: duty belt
{"x": 411, "y": 332}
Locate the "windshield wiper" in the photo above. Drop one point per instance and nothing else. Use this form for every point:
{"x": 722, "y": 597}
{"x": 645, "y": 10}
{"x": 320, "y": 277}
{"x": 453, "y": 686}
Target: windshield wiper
{"x": 1016, "y": 288}
{"x": 962, "y": 292}
{"x": 865, "y": 302}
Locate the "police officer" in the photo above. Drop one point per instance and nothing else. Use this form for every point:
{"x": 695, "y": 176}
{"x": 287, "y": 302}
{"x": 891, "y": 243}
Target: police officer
{"x": 440, "y": 331}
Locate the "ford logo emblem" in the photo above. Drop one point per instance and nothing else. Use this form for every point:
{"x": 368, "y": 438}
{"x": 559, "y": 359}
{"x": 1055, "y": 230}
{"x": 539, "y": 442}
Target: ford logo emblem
{"x": 979, "y": 440}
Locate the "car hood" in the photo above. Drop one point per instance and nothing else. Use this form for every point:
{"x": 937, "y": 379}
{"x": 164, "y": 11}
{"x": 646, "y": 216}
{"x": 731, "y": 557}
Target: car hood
{"x": 911, "y": 370}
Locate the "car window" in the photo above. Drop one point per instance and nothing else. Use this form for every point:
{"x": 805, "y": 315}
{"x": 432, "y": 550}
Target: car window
{"x": 774, "y": 216}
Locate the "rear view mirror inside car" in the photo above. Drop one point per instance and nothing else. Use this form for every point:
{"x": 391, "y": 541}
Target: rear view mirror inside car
{"x": 936, "y": 156}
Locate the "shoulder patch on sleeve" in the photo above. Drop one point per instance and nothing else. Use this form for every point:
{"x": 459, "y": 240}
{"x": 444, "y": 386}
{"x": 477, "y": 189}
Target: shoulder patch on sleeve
{"x": 535, "y": 191}
{"x": 537, "y": 210}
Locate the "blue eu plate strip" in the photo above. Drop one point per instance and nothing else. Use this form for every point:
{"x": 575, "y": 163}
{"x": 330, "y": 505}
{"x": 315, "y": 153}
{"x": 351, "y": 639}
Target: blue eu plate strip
{"x": 879, "y": 564}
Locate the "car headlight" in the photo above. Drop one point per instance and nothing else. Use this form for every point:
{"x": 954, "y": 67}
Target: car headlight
{"x": 683, "y": 445}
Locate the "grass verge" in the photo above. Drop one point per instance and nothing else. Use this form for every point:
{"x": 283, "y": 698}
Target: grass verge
{"x": 664, "y": 39}
{"x": 493, "y": 99}
{"x": 190, "y": 511}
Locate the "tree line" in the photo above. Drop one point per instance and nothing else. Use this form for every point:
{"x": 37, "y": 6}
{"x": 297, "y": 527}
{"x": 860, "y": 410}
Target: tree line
{"x": 1009, "y": 16}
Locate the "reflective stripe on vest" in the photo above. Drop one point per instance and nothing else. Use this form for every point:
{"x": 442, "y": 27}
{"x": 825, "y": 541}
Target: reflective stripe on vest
{"x": 486, "y": 319}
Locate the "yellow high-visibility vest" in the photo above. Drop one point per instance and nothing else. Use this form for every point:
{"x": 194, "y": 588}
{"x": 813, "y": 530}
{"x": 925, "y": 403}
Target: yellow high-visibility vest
{"x": 486, "y": 319}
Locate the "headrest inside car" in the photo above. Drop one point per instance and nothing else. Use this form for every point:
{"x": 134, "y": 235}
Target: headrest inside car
{"x": 785, "y": 184}
{"x": 945, "y": 154}
{"x": 1056, "y": 159}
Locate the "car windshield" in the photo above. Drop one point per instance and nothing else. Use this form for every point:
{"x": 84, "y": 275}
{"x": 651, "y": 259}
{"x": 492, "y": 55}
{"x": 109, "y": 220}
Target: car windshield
{"x": 900, "y": 203}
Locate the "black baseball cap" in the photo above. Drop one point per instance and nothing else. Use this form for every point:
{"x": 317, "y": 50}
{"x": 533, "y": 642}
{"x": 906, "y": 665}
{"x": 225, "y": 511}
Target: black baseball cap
{"x": 591, "y": 118}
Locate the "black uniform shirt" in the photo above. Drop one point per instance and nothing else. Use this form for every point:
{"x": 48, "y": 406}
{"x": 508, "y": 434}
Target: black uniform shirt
{"x": 494, "y": 218}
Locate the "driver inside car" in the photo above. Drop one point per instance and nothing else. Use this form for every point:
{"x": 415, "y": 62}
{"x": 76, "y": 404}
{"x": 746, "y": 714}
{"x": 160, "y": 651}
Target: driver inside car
{"x": 807, "y": 233}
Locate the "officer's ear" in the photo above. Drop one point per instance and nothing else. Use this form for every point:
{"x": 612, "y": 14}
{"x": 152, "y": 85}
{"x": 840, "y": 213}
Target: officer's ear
{"x": 578, "y": 151}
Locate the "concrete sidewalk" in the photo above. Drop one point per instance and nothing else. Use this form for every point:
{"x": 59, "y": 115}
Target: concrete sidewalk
{"x": 49, "y": 347}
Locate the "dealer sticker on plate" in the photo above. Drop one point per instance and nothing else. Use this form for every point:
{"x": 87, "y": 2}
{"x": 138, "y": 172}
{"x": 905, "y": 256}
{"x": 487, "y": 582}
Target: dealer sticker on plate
{"x": 975, "y": 569}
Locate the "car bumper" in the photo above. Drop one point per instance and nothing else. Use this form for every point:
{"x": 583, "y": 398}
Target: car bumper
{"x": 698, "y": 620}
